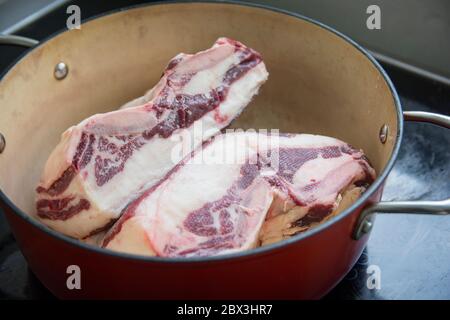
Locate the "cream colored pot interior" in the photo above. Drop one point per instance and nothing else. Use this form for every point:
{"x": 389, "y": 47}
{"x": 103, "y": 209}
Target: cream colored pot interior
{"x": 318, "y": 82}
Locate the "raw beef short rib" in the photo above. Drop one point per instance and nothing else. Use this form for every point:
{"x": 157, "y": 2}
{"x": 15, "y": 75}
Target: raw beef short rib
{"x": 238, "y": 191}
{"x": 317, "y": 177}
{"x": 107, "y": 160}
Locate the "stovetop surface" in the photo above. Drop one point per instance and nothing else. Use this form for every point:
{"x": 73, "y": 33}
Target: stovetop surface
{"x": 412, "y": 252}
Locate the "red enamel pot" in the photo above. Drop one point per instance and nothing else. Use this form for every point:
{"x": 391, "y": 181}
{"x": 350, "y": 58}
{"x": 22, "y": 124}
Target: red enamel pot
{"x": 320, "y": 82}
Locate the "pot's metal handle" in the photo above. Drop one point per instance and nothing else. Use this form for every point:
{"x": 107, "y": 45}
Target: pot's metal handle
{"x": 17, "y": 41}
{"x": 364, "y": 224}
{"x": 12, "y": 40}
{"x": 422, "y": 116}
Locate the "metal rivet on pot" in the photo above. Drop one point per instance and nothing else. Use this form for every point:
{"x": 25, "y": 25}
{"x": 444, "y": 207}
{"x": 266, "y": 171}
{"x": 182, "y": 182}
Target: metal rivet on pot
{"x": 384, "y": 131}
{"x": 61, "y": 71}
{"x": 2, "y": 143}
{"x": 367, "y": 226}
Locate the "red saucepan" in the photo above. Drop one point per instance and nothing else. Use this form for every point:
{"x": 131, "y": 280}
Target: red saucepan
{"x": 320, "y": 82}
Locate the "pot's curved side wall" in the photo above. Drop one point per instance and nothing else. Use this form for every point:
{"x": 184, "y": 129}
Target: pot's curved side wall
{"x": 306, "y": 269}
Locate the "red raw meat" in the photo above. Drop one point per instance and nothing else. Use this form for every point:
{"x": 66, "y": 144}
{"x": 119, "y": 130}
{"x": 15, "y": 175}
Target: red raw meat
{"x": 107, "y": 160}
{"x": 231, "y": 194}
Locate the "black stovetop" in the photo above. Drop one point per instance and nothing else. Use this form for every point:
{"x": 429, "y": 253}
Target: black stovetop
{"x": 411, "y": 251}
